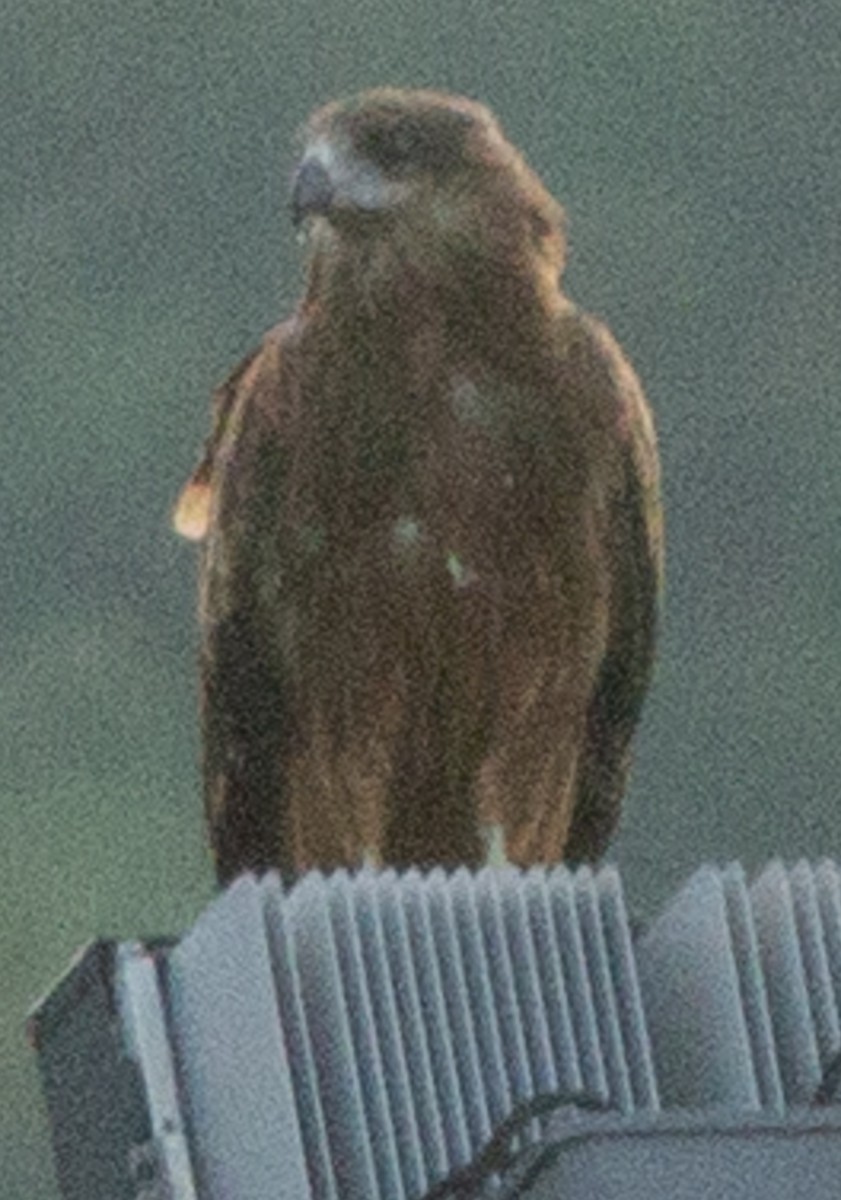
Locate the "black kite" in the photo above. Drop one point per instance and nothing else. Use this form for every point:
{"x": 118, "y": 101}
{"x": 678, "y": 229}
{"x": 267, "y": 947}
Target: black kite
{"x": 431, "y": 517}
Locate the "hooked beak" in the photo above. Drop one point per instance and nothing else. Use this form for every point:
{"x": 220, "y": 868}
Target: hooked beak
{"x": 334, "y": 182}
{"x": 312, "y": 191}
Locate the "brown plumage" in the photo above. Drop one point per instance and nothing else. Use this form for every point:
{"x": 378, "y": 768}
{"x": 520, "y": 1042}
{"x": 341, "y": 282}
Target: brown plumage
{"x": 433, "y": 540}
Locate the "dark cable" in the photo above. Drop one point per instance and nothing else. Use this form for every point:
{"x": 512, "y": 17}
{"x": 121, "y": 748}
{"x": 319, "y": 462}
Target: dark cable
{"x": 499, "y": 1154}
{"x": 827, "y": 1089}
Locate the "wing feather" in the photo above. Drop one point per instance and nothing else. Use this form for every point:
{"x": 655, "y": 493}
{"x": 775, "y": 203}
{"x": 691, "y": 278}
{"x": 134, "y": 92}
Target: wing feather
{"x": 244, "y": 701}
{"x": 636, "y": 554}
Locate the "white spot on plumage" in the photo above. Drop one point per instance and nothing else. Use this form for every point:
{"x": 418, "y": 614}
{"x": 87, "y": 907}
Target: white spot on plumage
{"x": 406, "y": 533}
{"x": 461, "y": 574}
{"x": 493, "y": 838}
{"x": 467, "y": 402}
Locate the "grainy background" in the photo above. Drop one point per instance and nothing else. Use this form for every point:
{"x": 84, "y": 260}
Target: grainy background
{"x": 145, "y": 154}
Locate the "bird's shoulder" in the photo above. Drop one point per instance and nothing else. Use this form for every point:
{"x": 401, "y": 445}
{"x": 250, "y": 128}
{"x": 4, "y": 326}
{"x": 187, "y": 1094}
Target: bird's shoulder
{"x": 587, "y": 360}
{"x": 248, "y": 402}
{"x": 596, "y": 376}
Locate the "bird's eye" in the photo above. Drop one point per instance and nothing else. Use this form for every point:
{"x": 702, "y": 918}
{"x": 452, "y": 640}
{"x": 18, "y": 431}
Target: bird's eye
{"x": 409, "y": 142}
{"x": 396, "y": 147}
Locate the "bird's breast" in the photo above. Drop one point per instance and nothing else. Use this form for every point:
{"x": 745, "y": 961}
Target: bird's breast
{"x": 413, "y": 531}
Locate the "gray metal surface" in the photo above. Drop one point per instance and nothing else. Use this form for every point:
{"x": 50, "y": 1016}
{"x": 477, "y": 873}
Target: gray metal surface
{"x": 361, "y": 1037}
{"x": 417, "y": 1012}
{"x": 232, "y": 1057}
{"x": 754, "y": 996}
{"x": 742, "y": 985}
{"x": 160, "y": 1167}
{"x": 785, "y": 978}
{"x": 695, "y": 1156}
{"x": 692, "y": 999}
{"x": 109, "y": 1078}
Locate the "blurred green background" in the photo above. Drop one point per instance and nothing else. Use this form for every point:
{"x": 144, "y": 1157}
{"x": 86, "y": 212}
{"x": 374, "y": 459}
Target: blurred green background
{"x": 145, "y": 155}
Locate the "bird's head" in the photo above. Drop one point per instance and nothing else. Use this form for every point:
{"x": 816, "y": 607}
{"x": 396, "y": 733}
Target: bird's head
{"x": 429, "y": 175}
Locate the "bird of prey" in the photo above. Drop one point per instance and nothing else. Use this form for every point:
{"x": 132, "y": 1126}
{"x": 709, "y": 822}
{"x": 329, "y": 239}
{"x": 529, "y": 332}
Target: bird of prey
{"x": 430, "y": 509}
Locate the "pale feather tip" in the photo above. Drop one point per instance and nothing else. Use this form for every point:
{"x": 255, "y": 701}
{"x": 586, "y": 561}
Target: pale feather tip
{"x": 191, "y": 516}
